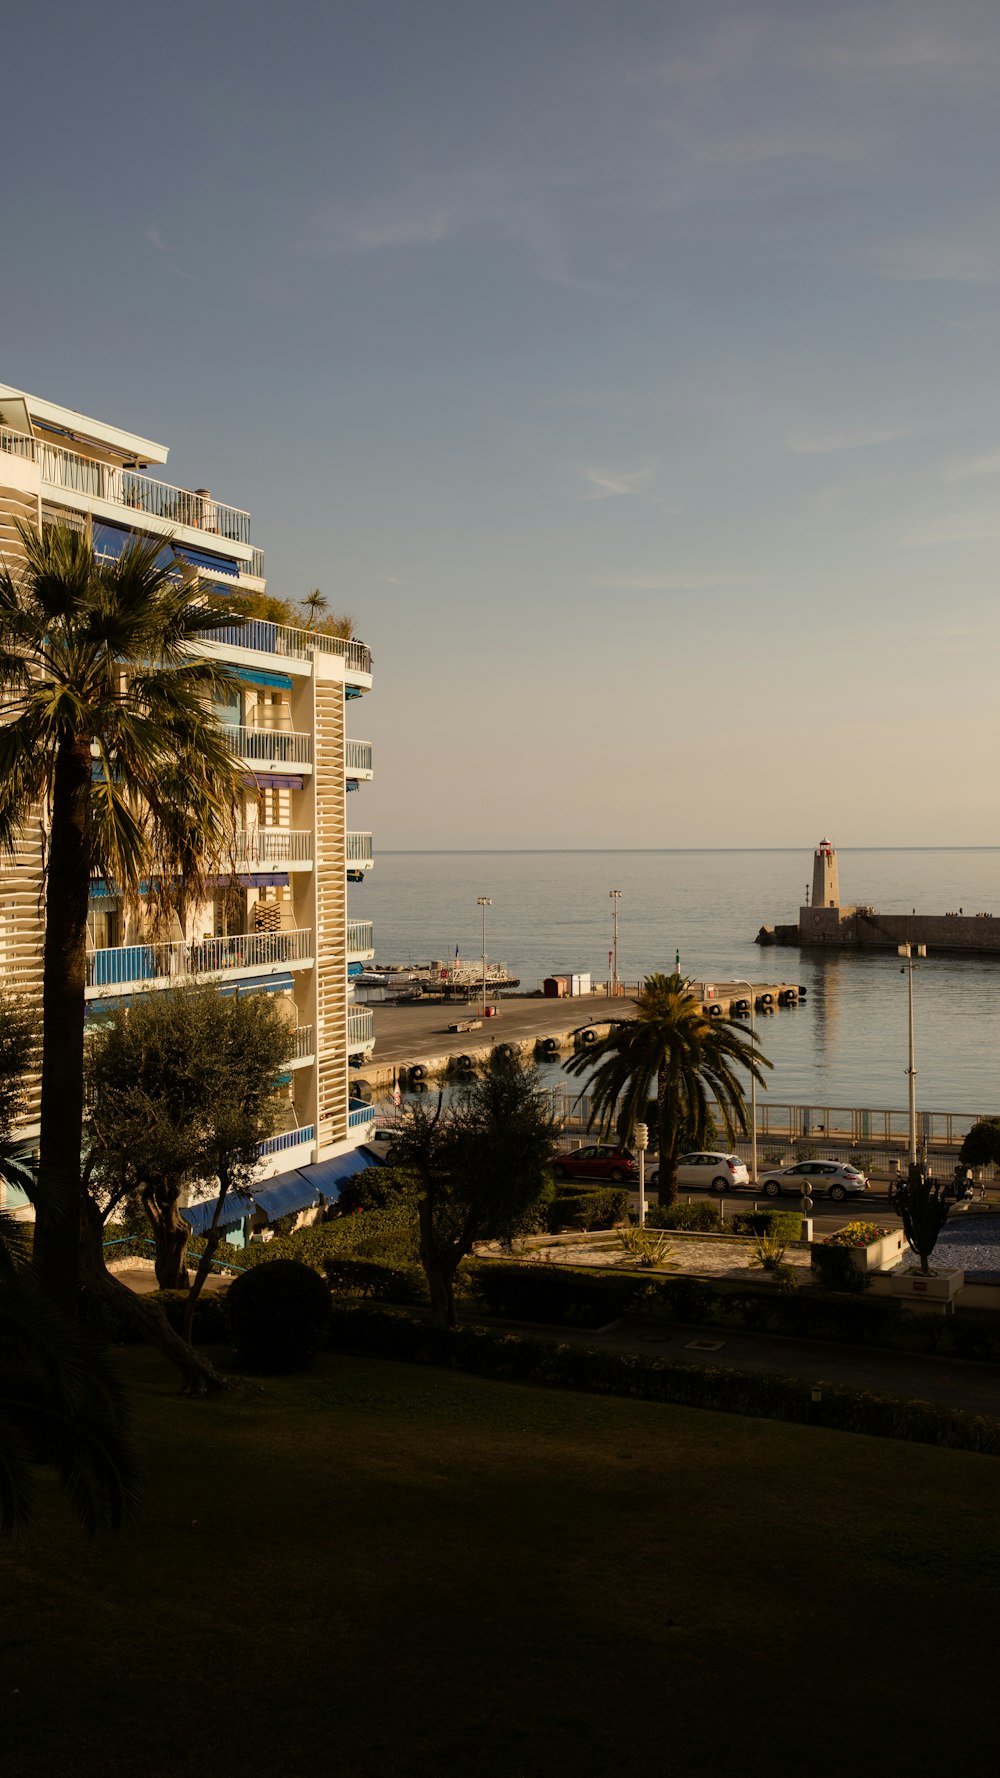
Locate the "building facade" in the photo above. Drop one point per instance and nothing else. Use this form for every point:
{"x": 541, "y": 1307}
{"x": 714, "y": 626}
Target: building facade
{"x": 279, "y": 924}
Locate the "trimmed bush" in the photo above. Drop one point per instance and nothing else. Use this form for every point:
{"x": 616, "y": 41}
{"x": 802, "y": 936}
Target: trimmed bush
{"x": 209, "y": 1327}
{"x": 372, "y": 1279}
{"x": 513, "y": 1358}
{"x": 542, "y": 1292}
{"x": 781, "y": 1225}
{"x": 389, "y": 1234}
{"x": 600, "y": 1209}
{"x": 278, "y": 1316}
{"x": 836, "y": 1270}
{"x": 702, "y": 1218}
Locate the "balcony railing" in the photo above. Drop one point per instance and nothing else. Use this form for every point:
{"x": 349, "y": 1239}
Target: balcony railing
{"x": 358, "y": 756}
{"x": 360, "y": 1027}
{"x": 292, "y": 644}
{"x": 365, "y": 1114}
{"x": 288, "y": 1139}
{"x": 360, "y": 936}
{"x": 272, "y": 845}
{"x": 182, "y": 958}
{"x": 17, "y": 444}
{"x": 257, "y": 564}
{"x": 359, "y": 848}
{"x": 94, "y": 480}
{"x": 304, "y": 1042}
{"x": 274, "y": 746}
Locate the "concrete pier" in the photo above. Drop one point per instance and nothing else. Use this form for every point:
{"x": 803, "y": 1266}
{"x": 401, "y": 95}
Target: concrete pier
{"x": 417, "y": 1035}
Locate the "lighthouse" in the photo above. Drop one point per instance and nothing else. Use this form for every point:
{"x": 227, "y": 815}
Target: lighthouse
{"x": 826, "y": 882}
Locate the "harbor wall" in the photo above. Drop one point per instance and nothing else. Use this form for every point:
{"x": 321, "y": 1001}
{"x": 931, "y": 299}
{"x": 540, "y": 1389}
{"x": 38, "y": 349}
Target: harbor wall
{"x": 845, "y": 928}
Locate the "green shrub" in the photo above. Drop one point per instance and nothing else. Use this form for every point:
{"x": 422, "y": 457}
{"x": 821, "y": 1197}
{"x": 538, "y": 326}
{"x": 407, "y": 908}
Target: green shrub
{"x": 510, "y": 1357}
{"x": 600, "y": 1209}
{"x": 389, "y": 1234}
{"x": 781, "y": 1225}
{"x": 375, "y": 1188}
{"x": 541, "y": 1292}
{"x": 835, "y": 1269}
{"x": 209, "y": 1316}
{"x": 278, "y": 1316}
{"x": 701, "y": 1217}
{"x": 373, "y": 1279}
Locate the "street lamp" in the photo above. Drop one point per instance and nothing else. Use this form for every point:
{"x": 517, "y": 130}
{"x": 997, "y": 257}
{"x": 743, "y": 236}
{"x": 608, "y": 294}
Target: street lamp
{"x": 484, "y": 901}
{"x": 753, "y": 1084}
{"x": 615, "y": 896}
{"x": 641, "y": 1139}
{"x": 910, "y": 951}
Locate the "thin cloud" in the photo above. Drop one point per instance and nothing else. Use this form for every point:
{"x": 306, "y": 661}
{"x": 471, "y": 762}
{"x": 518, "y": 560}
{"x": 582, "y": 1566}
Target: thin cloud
{"x": 973, "y": 468}
{"x": 613, "y": 484}
{"x": 819, "y": 444}
{"x": 156, "y": 240}
{"x": 959, "y": 528}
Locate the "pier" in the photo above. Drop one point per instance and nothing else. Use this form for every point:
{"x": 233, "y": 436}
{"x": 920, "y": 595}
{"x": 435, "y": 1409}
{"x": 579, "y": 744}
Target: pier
{"x": 418, "y": 1036}
{"x": 824, "y": 923}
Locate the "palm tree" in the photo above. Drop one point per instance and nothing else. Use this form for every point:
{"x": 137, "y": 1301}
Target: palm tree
{"x": 316, "y": 603}
{"x": 106, "y": 735}
{"x": 665, "y": 1066}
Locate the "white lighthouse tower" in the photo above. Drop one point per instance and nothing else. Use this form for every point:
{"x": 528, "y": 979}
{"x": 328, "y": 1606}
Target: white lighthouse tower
{"x": 821, "y": 922}
{"x": 826, "y": 879}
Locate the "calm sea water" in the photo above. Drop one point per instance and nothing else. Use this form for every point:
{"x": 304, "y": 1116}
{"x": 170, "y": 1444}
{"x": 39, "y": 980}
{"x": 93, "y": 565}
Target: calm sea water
{"x": 844, "y": 1045}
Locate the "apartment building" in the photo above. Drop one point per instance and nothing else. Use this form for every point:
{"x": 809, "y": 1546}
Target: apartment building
{"x": 279, "y": 924}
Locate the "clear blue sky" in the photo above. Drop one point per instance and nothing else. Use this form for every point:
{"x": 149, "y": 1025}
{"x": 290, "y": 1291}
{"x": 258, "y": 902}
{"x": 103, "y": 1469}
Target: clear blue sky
{"x": 629, "y": 372}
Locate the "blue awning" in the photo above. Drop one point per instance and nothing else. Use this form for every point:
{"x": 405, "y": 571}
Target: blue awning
{"x": 257, "y": 676}
{"x": 264, "y": 780}
{"x": 262, "y": 984}
{"x": 328, "y": 1176}
{"x": 235, "y": 1209}
{"x": 284, "y": 1194}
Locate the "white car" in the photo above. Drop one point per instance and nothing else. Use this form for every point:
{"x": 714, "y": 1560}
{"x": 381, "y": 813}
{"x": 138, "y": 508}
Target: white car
{"x": 835, "y": 1180}
{"x": 709, "y": 1172}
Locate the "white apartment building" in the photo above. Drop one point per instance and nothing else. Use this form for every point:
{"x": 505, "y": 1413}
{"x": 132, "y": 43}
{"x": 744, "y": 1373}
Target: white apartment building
{"x": 280, "y": 925}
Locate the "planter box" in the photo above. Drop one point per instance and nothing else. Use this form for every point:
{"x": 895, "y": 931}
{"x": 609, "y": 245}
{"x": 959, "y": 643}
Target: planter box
{"x": 940, "y": 1286}
{"x": 882, "y": 1254}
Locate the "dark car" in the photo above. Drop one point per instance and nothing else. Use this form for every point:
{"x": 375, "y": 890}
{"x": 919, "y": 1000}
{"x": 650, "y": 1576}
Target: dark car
{"x": 599, "y": 1161}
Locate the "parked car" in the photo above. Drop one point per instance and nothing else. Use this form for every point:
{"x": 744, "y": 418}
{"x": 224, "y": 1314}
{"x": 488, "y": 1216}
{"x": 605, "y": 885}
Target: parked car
{"x": 835, "y": 1180}
{"x": 600, "y": 1160}
{"x": 708, "y": 1172}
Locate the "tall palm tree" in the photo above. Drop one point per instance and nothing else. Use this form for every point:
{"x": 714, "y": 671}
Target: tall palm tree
{"x": 106, "y": 734}
{"x": 315, "y": 603}
{"x": 666, "y": 1065}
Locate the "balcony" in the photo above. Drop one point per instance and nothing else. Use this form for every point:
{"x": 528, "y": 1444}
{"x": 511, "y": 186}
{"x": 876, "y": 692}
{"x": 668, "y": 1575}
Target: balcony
{"x": 161, "y": 965}
{"x": 360, "y": 1029}
{"x": 273, "y": 848}
{"x": 360, "y": 941}
{"x": 304, "y": 1045}
{"x": 358, "y": 759}
{"x": 359, "y": 1115}
{"x": 290, "y": 644}
{"x": 268, "y": 749}
{"x": 139, "y": 496}
{"x": 359, "y": 853}
{"x": 300, "y": 1138}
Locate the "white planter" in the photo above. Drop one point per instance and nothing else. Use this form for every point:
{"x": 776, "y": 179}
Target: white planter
{"x": 940, "y": 1286}
{"x": 880, "y": 1255}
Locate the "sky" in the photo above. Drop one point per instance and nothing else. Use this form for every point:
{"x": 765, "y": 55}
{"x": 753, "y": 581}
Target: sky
{"x": 630, "y": 373}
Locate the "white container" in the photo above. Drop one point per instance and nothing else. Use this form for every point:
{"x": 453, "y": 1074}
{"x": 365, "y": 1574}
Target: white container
{"x": 579, "y": 984}
{"x": 940, "y": 1286}
{"x": 880, "y": 1255}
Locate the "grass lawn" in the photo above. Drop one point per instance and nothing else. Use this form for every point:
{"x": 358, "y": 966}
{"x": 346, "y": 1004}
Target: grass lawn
{"x": 378, "y": 1569}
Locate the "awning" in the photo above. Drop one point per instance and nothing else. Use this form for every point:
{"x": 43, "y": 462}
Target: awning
{"x": 264, "y": 780}
{"x": 284, "y": 1194}
{"x": 235, "y": 1209}
{"x": 257, "y": 676}
{"x": 201, "y": 558}
{"x": 262, "y": 984}
{"x": 328, "y": 1176}
{"x": 272, "y": 880}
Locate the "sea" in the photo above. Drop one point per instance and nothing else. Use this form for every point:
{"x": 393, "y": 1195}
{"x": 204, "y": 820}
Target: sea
{"x": 844, "y": 1044}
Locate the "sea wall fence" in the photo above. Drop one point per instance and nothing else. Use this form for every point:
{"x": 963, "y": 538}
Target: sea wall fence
{"x": 880, "y": 1134}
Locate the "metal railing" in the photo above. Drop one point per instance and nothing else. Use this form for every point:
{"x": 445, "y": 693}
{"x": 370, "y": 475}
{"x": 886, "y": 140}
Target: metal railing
{"x": 272, "y": 845}
{"x": 277, "y": 746}
{"x": 17, "y": 444}
{"x": 257, "y": 564}
{"x": 365, "y": 1114}
{"x": 359, "y": 848}
{"x": 360, "y": 936}
{"x": 358, "y": 756}
{"x": 297, "y": 645}
{"x": 122, "y": 965}
{"x": 149, "y": 1247}
{"x": 304, "y": 1042}
{"x": 62, "y": 468}
{"x": 360, "y": 1026}
{"x": 287, "y": 1139}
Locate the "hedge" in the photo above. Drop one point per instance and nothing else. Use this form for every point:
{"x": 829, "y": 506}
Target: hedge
{"x": 389, "y": 1234}
{"x": 835, "y": 1269}
{"x": 373, "y": 1279}
{"x": 784, "y": 1225}
{"x": 577, "y": 1209}
{"x": 697, "y": 1218}
{"x": 514, "y": 1358}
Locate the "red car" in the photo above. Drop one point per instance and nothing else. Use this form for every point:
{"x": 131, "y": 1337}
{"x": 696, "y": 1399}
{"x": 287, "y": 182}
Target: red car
{"x": 600, "y": 1161}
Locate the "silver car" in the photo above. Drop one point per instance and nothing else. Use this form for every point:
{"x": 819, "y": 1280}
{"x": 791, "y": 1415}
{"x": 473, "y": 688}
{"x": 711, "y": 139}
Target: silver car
{"x": 709, "y": 1172}
{"x": 834, "y": 1179}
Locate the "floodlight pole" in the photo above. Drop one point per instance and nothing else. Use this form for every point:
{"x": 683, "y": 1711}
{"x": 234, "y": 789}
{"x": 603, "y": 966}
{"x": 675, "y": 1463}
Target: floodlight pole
{"x": 615, "y": 896}
{"x": 484, "y": 901}
{"x": 753, "y": 1085}
{"x": 911, "y": 951}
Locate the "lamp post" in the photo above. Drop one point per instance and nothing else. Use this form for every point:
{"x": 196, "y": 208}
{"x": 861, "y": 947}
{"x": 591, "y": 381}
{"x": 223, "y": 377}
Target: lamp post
{"x": 753, "y": 1085}
{"x": 641, "y": 1139}
{"x": 484, "y": 901}
{"x": 910, "y": 951}
{"x": 615, "y": 896}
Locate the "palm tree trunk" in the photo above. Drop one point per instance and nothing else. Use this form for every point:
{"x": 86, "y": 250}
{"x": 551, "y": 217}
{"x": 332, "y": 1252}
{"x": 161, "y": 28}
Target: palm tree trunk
{"x": 666, "y": 1123}
{"x": 57, "y": 1225}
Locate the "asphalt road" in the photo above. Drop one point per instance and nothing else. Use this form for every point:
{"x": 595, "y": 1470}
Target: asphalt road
{"x": 410, "y": 1033}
